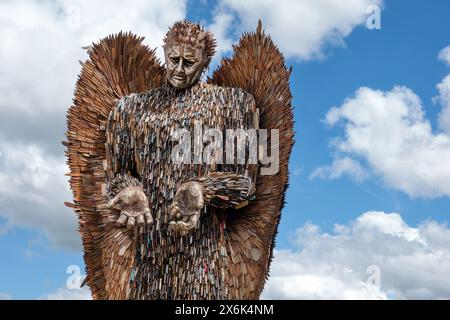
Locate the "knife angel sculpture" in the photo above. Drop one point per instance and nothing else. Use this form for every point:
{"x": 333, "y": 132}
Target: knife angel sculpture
{"x": 163, "y": 213}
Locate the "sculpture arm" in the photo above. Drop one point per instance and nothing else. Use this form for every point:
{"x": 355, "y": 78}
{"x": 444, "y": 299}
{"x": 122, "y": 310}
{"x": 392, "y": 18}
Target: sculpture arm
{"x": 234, "y": 185}
{"x": 123, "y": 185}
{"x": 227, "y": 189}
{"x": 120, "y": 164}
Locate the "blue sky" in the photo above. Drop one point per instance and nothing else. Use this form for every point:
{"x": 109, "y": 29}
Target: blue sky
{"x": 403, "y": 222}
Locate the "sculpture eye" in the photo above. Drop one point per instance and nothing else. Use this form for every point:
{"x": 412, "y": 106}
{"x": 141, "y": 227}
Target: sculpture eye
{"x": 188, "y": 63}
{"x": 175, "y": 59}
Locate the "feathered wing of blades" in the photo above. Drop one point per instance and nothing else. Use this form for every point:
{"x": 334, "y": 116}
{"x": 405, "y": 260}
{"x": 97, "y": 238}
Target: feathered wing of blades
{"x": 258, "y": 67}
{"x": 118, "y": 65}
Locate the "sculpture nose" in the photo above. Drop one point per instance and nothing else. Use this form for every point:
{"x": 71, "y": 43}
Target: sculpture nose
{"x": 180, "y": 66}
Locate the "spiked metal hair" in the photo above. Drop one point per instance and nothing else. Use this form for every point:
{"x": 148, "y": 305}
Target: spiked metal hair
{"x": 186, "y": 31}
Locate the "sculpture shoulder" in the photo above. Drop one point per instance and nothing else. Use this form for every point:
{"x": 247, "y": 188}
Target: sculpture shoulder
{"x": 146, "y": 97}
{"x": 230, "y": 97}
{"x": 134, "y": 103}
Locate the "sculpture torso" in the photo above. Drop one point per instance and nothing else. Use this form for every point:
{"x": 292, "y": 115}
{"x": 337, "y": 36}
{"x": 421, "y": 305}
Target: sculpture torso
{"x": 171, "y": 266}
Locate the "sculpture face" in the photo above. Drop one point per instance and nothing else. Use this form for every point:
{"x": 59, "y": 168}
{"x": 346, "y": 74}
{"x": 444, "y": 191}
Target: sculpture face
{"x": 184, "y": 64}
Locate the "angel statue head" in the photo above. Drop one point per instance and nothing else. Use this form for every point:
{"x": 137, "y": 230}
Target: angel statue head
{"x": 188, "y": 50}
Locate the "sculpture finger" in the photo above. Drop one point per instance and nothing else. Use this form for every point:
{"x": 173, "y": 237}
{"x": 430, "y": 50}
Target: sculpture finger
{"x": 131, "y": 222}
{"x": 181, "y": 225}
{"x": 178, "y": 226}
{"x": 140, "y": 221}
{"x": 184, "y": 218}
{"x": 172, "y": 226}
{"x": 122, "y": 220}
{"x": 148, "y": 218}
{"x": 174, "y": 212}
{"x": 193, "y": 220}
{"x": 170, "y": 209}
{"x": 200, "y": 203}
{"x": 190, "y": 222}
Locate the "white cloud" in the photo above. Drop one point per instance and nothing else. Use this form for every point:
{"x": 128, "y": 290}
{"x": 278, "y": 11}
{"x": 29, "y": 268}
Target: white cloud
{"x": 444, "y": 94}
{"x": 444, "y": 55}
{"x": 221, "y": 31}
{"x": 388, "y": 130}
{"x": 377, "y": 256}
{"x": 41, "y": 46}
{"x": 33, "y": 187}
{"x": 72, "y": 289}
{"x": 340, "y": 167}
{"x": 444, "y": 99}
{"x": 5, "y": 296}
{"x": 69, "y": 294}
{"x": 302, "y": 28}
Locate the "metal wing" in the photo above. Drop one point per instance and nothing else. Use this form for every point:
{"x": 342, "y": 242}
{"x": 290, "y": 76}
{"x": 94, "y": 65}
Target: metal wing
{"x": 118, "y": 65}
{"x": 258, "y": 67}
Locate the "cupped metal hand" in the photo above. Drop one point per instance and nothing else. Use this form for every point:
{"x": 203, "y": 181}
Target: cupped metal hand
{"x": 133, "y": 205}
{"x": 185, "y": 211}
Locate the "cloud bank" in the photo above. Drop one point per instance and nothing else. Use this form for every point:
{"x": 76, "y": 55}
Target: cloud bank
{"x": 387, "y": 134}
{"x": 4, "y": 296}
{"x": 303, "y": 29}
{"x": 69, "y": 294}
{"x": 377, "y": 256}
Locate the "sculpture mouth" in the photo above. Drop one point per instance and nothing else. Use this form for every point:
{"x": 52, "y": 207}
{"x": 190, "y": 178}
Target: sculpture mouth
{"x": 179, "y": 77}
